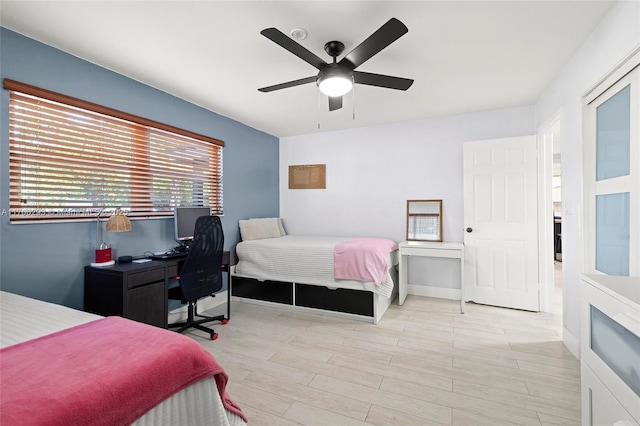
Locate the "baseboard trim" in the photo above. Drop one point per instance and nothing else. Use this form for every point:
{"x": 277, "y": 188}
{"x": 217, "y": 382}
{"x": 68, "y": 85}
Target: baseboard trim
{"x": 571, "y": 342}
{"x": 431, "y": 291}
{"x": 180, "y": 314}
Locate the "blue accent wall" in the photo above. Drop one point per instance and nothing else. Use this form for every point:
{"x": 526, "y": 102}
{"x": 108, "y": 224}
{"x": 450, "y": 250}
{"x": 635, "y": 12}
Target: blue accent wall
{"x": 46, "y": 261}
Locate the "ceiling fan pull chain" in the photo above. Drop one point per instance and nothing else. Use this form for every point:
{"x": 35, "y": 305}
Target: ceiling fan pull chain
{"x": 318, "y": 109}
{"x": 353, "y": 103}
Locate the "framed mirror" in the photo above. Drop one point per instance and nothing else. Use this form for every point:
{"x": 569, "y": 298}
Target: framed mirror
{"x": 424, "y": 220}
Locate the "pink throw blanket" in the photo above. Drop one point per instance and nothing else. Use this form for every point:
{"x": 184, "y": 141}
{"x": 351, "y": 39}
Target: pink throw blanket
{"x": 362, "y": 259}
{"x": 106, "y": 372}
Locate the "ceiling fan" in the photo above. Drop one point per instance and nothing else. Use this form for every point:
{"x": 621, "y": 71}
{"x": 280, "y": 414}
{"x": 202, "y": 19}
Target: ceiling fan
{"x": 337, "y": 78}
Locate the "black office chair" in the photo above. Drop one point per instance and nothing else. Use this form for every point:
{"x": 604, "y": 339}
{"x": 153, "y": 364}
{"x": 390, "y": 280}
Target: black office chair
{"x": 201, "y": 274}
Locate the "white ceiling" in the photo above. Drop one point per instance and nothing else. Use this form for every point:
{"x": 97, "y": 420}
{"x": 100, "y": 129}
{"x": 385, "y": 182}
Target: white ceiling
{"x": 464, "y": 56}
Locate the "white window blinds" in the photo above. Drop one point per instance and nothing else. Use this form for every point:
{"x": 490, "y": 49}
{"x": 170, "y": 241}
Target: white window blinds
{"x": 67, "y": 162}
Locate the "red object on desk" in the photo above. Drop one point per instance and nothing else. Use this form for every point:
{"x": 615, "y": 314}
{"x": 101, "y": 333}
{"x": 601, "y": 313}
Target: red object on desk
{"x": 103, "y": 255}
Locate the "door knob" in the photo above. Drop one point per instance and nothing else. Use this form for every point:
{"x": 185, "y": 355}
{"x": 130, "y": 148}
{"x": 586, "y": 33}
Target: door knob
{"x": 469, "y": 230}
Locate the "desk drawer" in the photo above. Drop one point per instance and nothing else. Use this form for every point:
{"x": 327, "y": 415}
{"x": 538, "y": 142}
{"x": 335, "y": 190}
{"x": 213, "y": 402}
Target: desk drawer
{"x": 430, "y": 252}
{"x": 145, "y": 277}
{"x": 146, "y": 303}
{"x": 173, "y": 271}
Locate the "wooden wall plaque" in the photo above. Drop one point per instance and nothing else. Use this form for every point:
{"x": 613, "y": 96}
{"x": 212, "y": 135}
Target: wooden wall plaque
{"x": 307, "y": 176}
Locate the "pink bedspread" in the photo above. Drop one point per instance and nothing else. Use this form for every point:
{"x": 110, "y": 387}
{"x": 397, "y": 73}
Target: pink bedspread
{"x": 106, "y": 372}
{"x": 362, "y": 259}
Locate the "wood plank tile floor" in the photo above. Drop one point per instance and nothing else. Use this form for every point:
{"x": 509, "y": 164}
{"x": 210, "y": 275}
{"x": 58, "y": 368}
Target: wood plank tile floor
{"x": 423, "y": 364}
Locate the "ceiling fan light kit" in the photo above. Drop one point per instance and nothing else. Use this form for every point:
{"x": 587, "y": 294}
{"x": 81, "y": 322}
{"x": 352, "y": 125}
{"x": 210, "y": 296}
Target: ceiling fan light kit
{"x": 337, "y": 78}
{"x": 334, "y": 82}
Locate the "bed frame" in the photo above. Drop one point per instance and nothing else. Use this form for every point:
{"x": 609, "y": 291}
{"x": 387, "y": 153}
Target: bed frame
{"x": 347, "y": 301}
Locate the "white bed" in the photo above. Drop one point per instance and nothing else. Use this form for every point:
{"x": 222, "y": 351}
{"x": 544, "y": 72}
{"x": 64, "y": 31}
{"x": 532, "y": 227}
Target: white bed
{"x": 23, "y": 319}
{"x": 309, "y": 260}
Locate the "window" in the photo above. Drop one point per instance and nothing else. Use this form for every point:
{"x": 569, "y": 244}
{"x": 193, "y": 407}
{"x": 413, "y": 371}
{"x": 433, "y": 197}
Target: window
{"x": 69, "y": 158}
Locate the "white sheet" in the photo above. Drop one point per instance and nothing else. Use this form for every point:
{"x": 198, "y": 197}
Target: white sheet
{"x": 301, "y": 259}
{"x": 22, "y": 319}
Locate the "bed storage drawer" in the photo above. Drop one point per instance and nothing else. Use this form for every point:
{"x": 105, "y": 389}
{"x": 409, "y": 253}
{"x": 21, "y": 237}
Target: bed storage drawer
{"x": 339, "y": 300}
{"x": 270, "y": 291}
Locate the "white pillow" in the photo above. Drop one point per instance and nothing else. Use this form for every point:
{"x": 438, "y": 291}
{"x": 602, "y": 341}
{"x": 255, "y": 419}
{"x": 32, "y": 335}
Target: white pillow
{"x": 278, "y": 219}
{"x": 258, "y": 229}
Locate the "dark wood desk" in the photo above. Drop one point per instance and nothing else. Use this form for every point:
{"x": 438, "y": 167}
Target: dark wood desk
{"x": 137, "y": 291}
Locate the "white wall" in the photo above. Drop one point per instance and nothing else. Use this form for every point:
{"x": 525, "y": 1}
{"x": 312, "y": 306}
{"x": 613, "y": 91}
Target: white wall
{"x": 616, "y": 36}
{"x": 372, "y": 171}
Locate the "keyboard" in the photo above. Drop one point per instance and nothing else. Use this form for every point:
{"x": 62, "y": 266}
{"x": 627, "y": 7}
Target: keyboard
{"x": 167, "y": 256}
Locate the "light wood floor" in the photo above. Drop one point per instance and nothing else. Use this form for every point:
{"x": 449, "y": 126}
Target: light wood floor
{"x": 423, "y": 364}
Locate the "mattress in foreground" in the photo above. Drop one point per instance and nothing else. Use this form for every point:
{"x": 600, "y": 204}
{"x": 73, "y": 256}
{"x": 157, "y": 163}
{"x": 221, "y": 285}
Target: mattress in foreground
{"x": 304, "y": 260}
{"x": 23, "y": 319}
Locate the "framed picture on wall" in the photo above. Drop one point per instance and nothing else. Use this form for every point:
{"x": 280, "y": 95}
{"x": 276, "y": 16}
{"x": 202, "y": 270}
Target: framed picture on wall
{"x": 307, "y": 176}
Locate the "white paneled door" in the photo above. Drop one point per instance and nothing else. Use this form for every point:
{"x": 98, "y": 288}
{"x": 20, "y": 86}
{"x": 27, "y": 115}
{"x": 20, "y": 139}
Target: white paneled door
{"x": 501, "y": 222}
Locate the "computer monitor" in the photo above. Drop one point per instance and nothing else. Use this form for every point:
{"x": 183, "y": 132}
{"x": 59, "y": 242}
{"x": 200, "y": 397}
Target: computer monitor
{"x": 185, "y": 221}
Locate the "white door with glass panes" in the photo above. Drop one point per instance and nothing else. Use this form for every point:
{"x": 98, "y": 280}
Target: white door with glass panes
{"x": 612, "y": 176}
{"x": 501, "y": 222}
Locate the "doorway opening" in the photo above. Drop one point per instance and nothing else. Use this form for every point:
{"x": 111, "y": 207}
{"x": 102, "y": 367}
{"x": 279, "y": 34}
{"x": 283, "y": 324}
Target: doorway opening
{"x": 556, "y": 196}
{"x": 550, "y": 214}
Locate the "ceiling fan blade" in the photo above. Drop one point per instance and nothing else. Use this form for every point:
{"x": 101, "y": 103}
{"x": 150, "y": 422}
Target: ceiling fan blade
{"x": 301, "y": 52}
{"x": 288, "y": 84}
{"x": 380, "y": 80}
{"x": 383, "y": 37}
{"x": 335, "y": 102}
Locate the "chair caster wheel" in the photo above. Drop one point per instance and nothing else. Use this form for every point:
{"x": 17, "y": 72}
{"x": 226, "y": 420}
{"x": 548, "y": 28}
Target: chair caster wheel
{"x": 224, "y": 321}
{"x": 214, "y": 336}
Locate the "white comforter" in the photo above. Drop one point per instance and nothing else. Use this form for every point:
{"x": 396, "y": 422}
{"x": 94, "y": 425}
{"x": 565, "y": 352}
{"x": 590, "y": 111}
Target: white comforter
{"x": 301, "y": 259}
{"x": 22, "y": 319}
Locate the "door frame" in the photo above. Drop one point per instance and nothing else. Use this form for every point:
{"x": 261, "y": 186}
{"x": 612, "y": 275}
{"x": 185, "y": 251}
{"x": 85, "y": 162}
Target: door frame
{"x": 546, "y": 274}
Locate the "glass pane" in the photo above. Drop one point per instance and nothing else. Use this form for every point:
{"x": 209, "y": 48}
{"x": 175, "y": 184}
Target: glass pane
{"x": 424, "y": 227}
{"x": 618, "y": 347}
{"x": 612, "y": 234}
{"x": 613, "y": 132}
